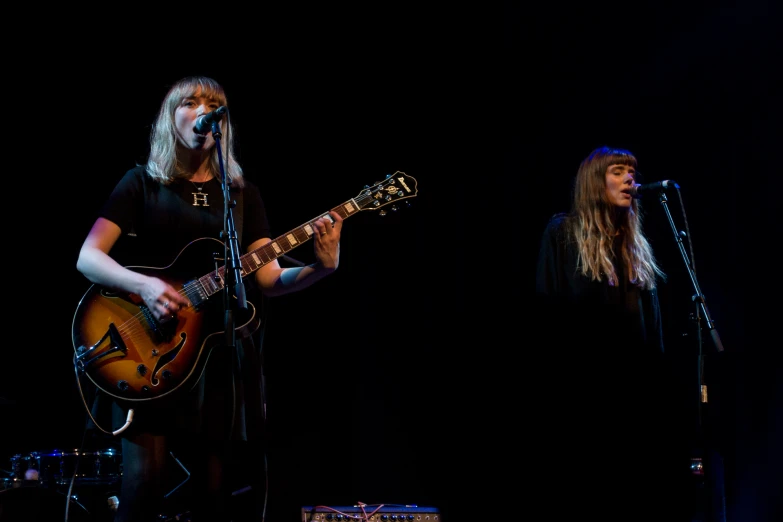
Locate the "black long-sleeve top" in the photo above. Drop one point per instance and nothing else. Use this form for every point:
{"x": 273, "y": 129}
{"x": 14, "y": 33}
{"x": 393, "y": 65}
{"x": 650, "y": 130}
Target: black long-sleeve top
{"x": 592, "y": 311}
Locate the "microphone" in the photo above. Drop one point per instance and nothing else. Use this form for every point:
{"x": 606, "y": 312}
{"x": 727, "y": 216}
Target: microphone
{"x": 639, "y": 191}
{"x": 204, "y": 122}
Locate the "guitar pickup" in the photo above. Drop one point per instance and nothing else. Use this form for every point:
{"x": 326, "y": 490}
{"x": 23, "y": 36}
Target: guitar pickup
{"x": 217, "y": 259}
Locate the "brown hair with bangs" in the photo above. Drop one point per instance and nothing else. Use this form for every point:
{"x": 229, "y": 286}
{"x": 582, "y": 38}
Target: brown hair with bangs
{"x": 603, "y": 234}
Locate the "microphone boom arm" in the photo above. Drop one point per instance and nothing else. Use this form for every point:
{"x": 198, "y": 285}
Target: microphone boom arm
{"x": 698, "y": 297}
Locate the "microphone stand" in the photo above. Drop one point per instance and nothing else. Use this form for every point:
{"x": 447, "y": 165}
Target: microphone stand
{"x": 698, "y": 297}
{"x": 234, "y": 285}
{"x": 713, "y": 475}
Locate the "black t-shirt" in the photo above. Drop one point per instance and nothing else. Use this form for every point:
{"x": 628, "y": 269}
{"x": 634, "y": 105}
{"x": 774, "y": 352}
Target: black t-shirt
{"x": 158, "y": 221}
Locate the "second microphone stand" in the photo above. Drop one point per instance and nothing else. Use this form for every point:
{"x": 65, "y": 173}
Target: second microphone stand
{"x": 713, "y": 466}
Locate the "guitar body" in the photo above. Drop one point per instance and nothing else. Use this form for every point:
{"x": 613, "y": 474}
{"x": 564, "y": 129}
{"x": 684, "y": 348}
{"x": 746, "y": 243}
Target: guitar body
{"x": 131, "y": 356}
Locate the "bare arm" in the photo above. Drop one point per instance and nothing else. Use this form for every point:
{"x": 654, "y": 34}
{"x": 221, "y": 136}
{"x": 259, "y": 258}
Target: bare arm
{"x": 99, "y": 267}
{"x": 275, "y": 280}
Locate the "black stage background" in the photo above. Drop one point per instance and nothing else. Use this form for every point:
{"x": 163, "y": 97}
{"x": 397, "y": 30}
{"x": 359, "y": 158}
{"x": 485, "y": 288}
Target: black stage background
{"x": 392, "y": 380}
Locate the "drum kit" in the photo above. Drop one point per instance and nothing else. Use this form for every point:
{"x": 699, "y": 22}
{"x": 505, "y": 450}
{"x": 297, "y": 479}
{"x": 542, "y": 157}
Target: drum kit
{"x": 41, "y": 483}
{"x": 71, "y": 485}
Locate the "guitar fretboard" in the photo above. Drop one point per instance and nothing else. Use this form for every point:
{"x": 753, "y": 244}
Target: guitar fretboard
{"x": 252, "y": 261}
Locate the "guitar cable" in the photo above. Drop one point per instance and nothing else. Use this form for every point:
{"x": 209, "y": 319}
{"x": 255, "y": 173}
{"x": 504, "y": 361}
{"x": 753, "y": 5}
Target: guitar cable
{"x": 128, "y": 419}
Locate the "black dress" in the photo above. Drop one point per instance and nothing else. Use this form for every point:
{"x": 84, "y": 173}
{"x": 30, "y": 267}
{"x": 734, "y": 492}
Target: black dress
{"x": 600, "y": 395}
{"x": 166, "y": 227}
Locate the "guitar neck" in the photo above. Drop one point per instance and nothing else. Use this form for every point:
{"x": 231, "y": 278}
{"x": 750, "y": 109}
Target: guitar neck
{"x": 395, "y": 187}
{"x": 252, "y": 261}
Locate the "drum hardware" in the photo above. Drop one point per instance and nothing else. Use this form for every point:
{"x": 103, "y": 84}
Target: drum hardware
{"x": 81, "y": 482}
{"x": 167, "y": 495}
{"x": 59, "y": 467}
{"x": 83, "y": 467}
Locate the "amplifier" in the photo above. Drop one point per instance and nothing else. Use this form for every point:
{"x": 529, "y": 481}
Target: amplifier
{"x": 365, "y": 513}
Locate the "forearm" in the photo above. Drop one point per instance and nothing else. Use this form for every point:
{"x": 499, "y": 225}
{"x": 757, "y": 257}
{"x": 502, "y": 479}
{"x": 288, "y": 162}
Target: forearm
{"x": 274, "y": 280}
{"x": 100, "y": 268}
{"x": 292, "y": 279}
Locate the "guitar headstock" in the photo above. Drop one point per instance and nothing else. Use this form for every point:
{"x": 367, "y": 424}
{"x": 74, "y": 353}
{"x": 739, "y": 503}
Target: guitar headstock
{"x": 396, "y": 187}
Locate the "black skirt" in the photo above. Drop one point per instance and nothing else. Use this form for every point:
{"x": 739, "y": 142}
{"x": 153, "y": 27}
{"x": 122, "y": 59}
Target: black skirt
{"x": 226, "y": 403}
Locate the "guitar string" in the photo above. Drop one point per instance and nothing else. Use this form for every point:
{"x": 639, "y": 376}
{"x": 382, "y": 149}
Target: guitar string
{"x": 135, "y": 324}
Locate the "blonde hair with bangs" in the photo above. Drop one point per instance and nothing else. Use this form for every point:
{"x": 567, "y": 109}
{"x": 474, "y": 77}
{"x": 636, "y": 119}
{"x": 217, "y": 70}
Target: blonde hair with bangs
{"x": 163, "y": 163}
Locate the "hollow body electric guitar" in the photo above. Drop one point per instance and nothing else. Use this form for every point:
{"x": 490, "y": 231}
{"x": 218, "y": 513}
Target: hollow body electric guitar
{"x": 128, "y": 354}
